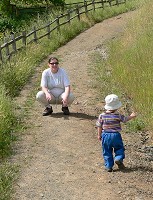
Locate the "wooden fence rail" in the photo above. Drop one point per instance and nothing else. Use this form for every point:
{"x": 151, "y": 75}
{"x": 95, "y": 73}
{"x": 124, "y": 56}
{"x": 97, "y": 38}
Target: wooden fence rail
{"x": 13, "y": 45}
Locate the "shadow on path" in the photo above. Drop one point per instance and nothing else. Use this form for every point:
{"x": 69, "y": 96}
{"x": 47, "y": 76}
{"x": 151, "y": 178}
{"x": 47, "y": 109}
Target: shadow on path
{"x": 133, "y": 169}
{"x": 81, "y": 116}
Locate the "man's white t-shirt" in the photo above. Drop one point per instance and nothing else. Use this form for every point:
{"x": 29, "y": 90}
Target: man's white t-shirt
{"x": 55, "y": 82}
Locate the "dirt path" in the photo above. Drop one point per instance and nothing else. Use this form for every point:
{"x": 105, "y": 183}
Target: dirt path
{"x": 60, "y": 156}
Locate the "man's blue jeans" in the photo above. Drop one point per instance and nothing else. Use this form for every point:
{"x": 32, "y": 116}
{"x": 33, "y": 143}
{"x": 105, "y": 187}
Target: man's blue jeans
{"x": 112, "y": 144}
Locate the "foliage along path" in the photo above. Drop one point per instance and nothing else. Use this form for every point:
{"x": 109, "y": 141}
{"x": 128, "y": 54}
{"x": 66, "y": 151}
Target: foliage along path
{"x": 60, "y": 156}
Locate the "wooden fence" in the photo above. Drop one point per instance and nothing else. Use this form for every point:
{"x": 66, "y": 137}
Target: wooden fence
{"x": 14, "y": 44}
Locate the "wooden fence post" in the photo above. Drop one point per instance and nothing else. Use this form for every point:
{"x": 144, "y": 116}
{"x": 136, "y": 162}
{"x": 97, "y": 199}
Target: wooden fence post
{"x": 68, "y": 16}
{"x": 14, "y": 42}
{"x": 58, "y": 25}
{"x": 93, "y": 4}
{"x": 102, "y": 2}
{"x": 85, "y": 6}
{"x": 1, "y": 59}
{"x": 110, "y": 2}
{"x": 7, "y": 47}
{"x": 48, "y": 30}
{"x": 78, "y": 12}
{"x": 24, "y": 38}
{"x": 35, "y": 34}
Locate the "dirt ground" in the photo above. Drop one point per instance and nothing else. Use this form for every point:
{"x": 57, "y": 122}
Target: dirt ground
{"x": 60, "y": 156}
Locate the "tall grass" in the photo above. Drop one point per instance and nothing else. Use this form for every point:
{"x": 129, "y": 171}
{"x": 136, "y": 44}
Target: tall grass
{"x": 130, "y": 63}
{"x": 8, "y": 174}
{"x": 8, "y": 123}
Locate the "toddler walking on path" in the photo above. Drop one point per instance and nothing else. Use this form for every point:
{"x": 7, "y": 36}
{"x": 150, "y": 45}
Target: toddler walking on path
{"x": 109, "y": 127}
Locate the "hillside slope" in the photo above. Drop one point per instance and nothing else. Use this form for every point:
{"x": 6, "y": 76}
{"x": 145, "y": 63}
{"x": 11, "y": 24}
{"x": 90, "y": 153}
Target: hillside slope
{"x": 60, "y": 156}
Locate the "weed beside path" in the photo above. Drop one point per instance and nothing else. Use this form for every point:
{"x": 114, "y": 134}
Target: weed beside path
{"x": 60, "y": 156}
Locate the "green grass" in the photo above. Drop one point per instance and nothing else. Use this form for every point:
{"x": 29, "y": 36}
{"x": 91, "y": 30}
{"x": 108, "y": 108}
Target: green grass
{"x": 73, "y": 1}
{"x": 136, "y": 125}
{"x": 128, "y": 71}
{"x": 8, "y": 123}
{"x": 8, "y": 174}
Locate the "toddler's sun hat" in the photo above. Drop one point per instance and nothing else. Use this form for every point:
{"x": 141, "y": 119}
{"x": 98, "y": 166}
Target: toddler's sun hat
{"x": 112, "y": 102}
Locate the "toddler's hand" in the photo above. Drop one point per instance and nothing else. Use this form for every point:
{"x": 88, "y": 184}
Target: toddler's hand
{"x": 99, "y": 137}
{"x": 133, "y": 114}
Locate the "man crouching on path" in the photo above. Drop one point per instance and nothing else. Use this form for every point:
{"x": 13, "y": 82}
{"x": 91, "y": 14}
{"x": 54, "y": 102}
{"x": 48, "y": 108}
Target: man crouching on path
{"x": 55, "y": 86}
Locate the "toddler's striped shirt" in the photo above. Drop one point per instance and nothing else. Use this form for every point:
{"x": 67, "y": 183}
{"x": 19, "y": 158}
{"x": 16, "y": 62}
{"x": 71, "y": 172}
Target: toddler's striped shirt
{"x": 110, "y": 122}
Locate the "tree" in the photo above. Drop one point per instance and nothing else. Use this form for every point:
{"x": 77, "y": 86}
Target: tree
{"x": 5, "y": 7}
{"x": 9, "y": 7}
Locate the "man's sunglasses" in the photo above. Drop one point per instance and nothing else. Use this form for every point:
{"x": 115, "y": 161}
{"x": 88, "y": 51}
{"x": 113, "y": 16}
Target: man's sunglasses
{"x": 54, "y": 63}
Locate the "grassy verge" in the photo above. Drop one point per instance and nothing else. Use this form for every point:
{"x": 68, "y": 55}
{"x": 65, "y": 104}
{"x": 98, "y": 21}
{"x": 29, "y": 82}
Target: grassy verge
{"x": 17, "y": 73}
{"x": 8, "y": 124}
{"x": 128, "y": 70}
{"x": 8, "y": 174}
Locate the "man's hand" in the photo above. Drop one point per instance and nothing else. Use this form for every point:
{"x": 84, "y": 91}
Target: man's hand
{"x": 65, "y": 100}
{"x": 48, "y": 96}
{"x": 65, "y": 95}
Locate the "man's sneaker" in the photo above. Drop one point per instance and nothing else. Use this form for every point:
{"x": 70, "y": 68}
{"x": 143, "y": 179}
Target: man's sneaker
{"x": 65, "y": 110}
{"x": 120, "y": 164}
{"x": 47, "y": 111}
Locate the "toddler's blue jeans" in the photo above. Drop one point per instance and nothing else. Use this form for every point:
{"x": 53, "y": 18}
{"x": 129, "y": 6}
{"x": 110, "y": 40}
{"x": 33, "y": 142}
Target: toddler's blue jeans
{"x": 112, "y": 144}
